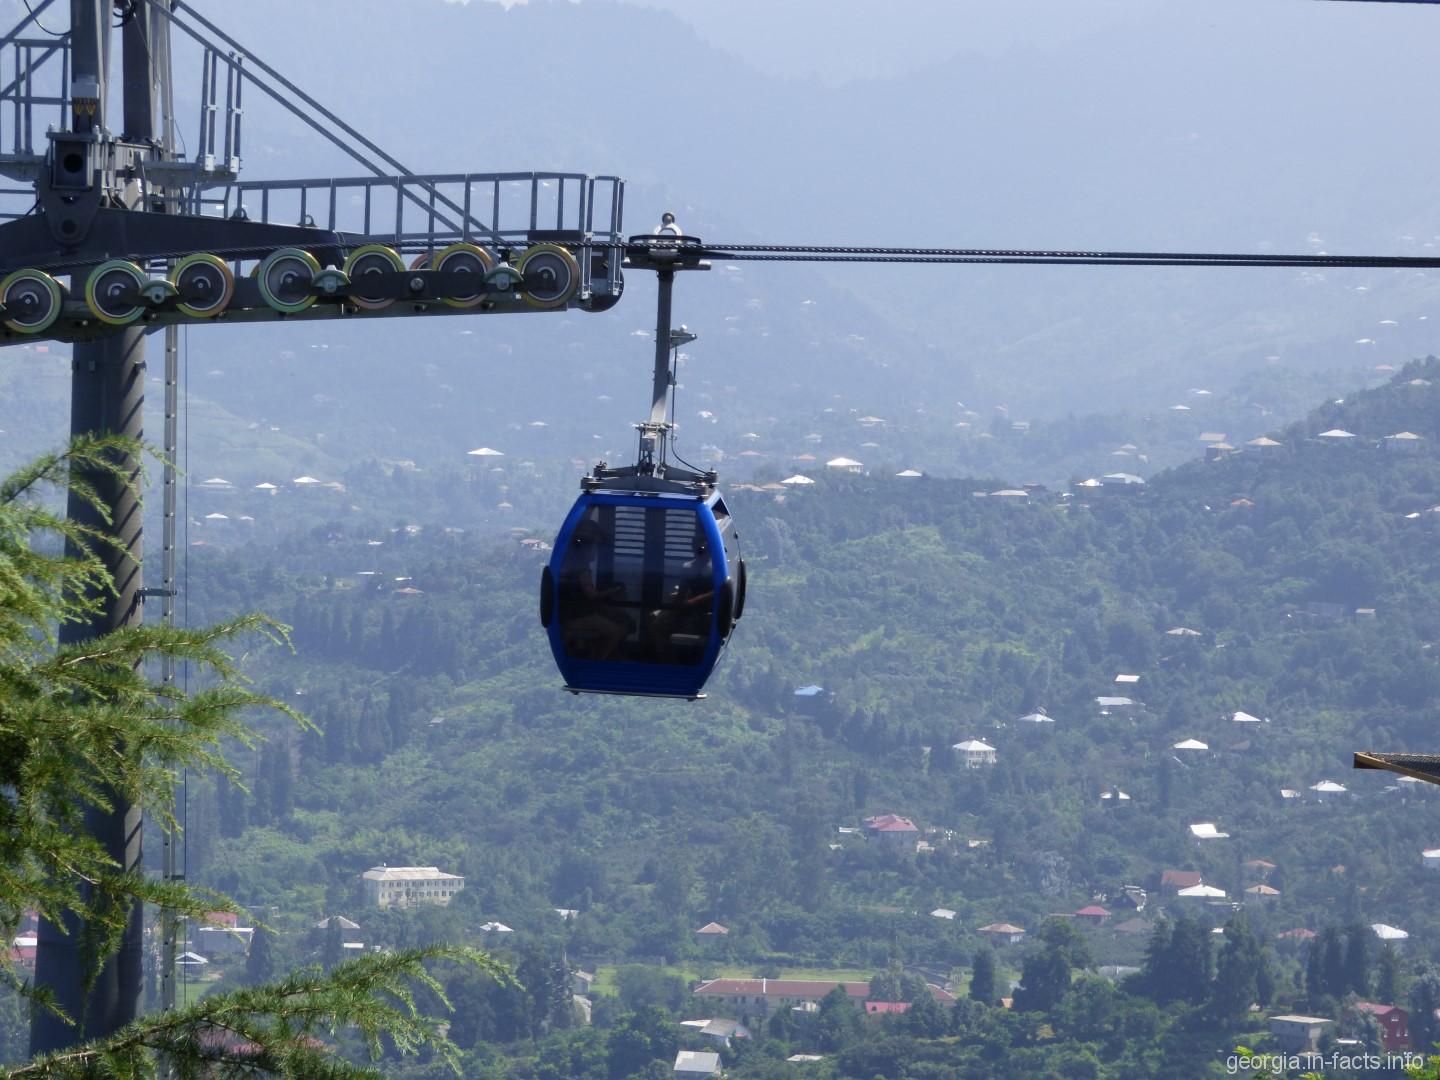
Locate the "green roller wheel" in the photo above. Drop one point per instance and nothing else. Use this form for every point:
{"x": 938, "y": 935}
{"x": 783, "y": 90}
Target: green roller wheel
{"x": 32, "y": 300}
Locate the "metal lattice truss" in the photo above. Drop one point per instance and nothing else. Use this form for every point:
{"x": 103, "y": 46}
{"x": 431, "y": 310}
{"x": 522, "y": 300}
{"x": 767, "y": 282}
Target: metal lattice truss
{"x": 110, "y": 232}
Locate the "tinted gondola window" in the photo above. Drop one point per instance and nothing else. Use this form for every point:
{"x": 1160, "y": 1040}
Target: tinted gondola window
{"x": 637, "y": 584}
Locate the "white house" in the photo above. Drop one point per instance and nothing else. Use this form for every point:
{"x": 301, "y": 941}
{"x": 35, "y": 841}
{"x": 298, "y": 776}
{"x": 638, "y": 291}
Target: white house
{"x": 1190, "y": 744}
{"x": 1245, "y": 718}
{"x": 1123, "y": 481}
{"x": 1402, "y": 442}
{"x": 1035, "y": 719}
{"x": 1430, "y": 858}
{"x": 1326, "y": 790}
{"x": 696, "y": 1063}
{"x": 718, "y": 1030}
{"x": 1393, "y": 934}
{"x": 1003, "y": 933}
{"x": 974, "y": 753}
{"x": 1205, "y": 830}
{"x": 1296, "y": 1034}
{"x": 1114, "y": 704}
{"x": 223, "y": 940}
{"x": 1201, "y": 892}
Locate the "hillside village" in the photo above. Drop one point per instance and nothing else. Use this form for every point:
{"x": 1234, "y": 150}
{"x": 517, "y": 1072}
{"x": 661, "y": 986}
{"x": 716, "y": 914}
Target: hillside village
{"x": 1065, "y": 750}
{"x": 1201, "y": 794}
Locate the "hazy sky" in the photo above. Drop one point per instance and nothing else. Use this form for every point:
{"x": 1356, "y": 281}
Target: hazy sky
{"x": 838, "y": 40}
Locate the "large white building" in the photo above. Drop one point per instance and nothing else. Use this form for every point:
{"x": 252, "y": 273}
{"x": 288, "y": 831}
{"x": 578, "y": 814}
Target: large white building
{"x": 406, "y": 886}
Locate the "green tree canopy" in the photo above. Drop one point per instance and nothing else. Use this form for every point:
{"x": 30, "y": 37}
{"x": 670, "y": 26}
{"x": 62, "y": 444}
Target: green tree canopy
{"x": 81, "y": 725}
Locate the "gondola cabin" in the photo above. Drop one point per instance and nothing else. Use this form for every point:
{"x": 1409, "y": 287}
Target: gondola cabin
{"x": 642, "y": 591}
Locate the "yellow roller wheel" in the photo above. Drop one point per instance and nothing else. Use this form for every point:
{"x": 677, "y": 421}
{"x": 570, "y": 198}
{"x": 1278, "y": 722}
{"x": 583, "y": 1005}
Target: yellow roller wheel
{"x": 112, "y": 292}
{"x": 551, "y": 276}
{"x": 32, "y": 301}
{"x": 364, "y": 262}
{"x": 465, "y": 258}
{"x": 205, "y": 283}
{"x": 284, "y": 277}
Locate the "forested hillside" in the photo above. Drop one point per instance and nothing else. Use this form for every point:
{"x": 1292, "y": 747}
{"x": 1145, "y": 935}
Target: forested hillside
{"x": 1294, "y": 586}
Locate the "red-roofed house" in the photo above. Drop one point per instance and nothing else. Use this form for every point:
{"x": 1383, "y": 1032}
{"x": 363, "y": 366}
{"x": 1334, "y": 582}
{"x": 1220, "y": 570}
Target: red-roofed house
{"x": 1298, "y": 934}
{"x": 222, "y": 918}
{"x": 1003, "y": 933}
{"x": 1259, "y": 869}
{"x": 1176, "y": 880}
{"x": 1094, "y": 914}
{"x": 1394, "y": 1024}
{"x": 22, "y": 951}
{"x": 892, "y": 829}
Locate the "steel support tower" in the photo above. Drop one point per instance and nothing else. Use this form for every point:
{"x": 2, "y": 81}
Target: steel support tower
{"x": 114, "y": 235}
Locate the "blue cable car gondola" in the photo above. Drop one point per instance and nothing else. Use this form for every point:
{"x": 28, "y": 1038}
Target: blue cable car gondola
{"x": 645, "y": 582}
{"x": 642, "y": 591}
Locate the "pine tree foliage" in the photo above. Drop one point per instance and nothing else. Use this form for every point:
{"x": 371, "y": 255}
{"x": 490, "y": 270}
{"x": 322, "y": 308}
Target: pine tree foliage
{"x": 276, "y": 1029}
{"x": 82, "y": 726}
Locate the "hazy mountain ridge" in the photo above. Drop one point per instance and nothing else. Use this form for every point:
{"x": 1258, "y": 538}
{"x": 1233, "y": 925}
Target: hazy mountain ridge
{"x": 1043, "y": 146}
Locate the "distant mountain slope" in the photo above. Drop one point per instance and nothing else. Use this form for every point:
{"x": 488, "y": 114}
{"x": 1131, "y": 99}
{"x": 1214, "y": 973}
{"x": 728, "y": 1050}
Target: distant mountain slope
{"x": 930, "y": 614}
{"x": 1121, "y": 139}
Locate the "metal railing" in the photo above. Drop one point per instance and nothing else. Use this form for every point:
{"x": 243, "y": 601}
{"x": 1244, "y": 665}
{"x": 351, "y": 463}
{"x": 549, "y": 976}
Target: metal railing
{"x": 417, "y": 214}
{"x": 34, "y": 72}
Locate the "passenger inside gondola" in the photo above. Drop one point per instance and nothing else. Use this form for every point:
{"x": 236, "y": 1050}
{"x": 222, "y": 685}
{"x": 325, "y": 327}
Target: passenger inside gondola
{"x": 637, "y": 585}
{"x": 592, "y": 619}
{"x": 679, "y": 629}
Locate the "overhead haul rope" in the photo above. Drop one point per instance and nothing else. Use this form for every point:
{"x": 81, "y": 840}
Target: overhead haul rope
{"x": 982, "y": 256}
{"x": 820, "y": 253}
